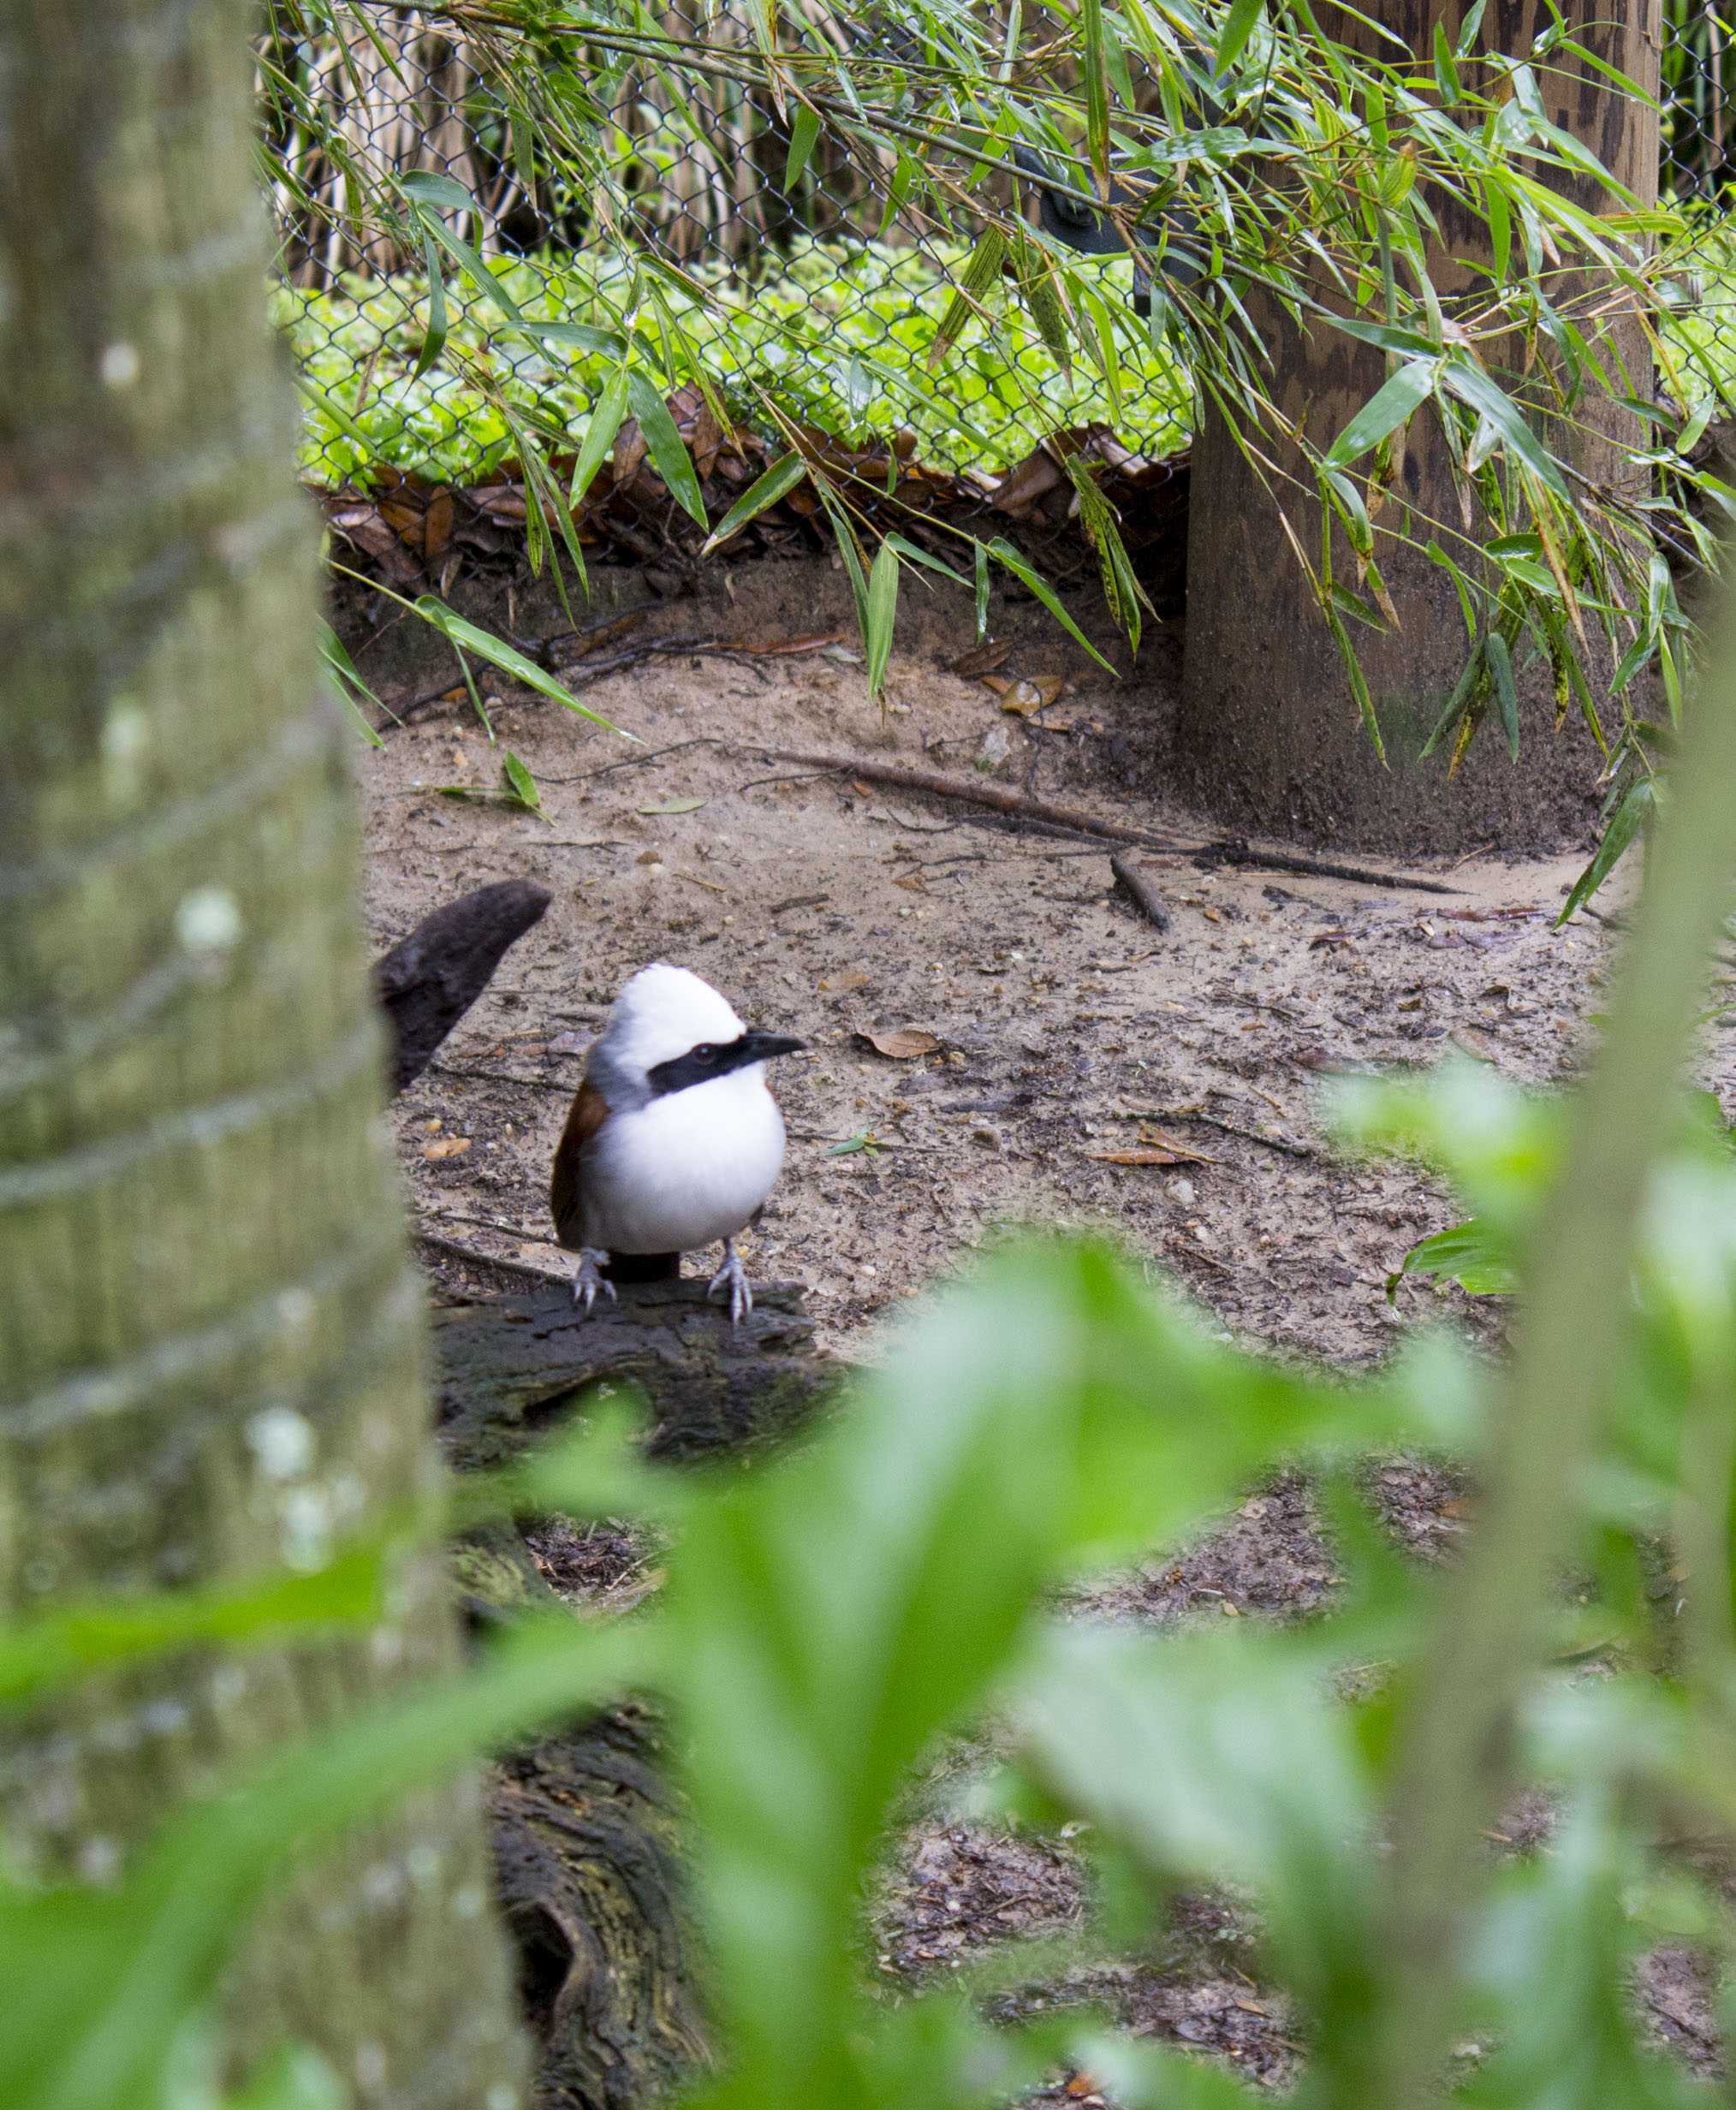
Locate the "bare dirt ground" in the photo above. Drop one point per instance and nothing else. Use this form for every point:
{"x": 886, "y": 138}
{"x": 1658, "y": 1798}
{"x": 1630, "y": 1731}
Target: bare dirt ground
{"x": 1066, "y": 1030}
{"x": 1069, "y": 1027}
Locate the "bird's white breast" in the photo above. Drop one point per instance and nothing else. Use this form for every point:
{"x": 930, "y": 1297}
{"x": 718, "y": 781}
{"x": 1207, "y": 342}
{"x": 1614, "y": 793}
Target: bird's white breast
{"x": 684, "y": 1170}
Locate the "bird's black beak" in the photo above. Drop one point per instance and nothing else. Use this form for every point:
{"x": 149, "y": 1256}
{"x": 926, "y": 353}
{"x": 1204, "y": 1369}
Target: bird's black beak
{"x": 761, "y": 1047}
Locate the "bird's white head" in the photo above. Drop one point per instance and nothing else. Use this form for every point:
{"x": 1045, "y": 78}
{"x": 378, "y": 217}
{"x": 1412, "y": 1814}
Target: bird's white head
{"x": 669, "y": 1030}
{"x": 661, "y": 1012}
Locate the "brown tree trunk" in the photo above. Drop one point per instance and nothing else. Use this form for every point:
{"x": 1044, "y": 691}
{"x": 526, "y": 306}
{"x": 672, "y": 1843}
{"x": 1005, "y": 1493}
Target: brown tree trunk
{"x": 211, "y": 1344}
{"x": 1269, "y": 734}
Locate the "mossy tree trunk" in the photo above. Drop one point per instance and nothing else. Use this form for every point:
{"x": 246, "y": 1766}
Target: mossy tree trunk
{"x": 212, "y": 1352}
{"x": 1268, "y": 734}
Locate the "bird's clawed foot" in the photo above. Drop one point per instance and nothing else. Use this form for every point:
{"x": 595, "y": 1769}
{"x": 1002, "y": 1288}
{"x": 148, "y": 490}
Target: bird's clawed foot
{"x": 735, "y": 1276}
{"x": 588, "y": 1278}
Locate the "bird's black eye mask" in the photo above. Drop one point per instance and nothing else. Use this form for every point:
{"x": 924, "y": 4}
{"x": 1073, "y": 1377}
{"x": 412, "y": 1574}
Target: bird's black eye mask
{"x": 717, "y": 1059}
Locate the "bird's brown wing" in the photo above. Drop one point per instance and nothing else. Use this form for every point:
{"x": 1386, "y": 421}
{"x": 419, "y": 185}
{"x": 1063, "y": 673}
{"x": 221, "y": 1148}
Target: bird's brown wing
{"x": 589, "y": 1111}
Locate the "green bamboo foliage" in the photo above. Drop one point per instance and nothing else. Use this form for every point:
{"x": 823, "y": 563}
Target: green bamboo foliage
{"x": 674, "y": 152}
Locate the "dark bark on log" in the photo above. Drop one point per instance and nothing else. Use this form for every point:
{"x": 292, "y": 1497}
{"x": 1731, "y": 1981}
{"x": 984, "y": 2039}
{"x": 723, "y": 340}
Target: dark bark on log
{"x": 509, "y": 1368}
{"x": 586, "y": 1831}
{"x": 591, "y": 1883}
{"x": 427, "y": 983}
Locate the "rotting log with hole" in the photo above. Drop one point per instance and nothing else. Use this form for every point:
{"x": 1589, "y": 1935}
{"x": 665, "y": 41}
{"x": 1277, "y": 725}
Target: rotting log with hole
{"x": 1268, "y": 736}
{"x": 587, "y": 1838}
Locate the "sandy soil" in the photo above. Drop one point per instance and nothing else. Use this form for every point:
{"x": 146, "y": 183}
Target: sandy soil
{"x": 1067, "y": 1028}
{"x": 1067, "y": 1023}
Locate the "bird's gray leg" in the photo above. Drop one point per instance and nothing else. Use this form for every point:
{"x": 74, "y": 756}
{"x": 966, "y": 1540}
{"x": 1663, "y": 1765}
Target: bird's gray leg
{"x": 735, "y": 1276}
{"x": 588, "y": 1277}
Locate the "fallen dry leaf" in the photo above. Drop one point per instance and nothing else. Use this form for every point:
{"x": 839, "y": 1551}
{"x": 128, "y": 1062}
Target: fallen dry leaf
{"x": 448, "y": 1146}
{"x": 1161, "y": 1139}
{"x": 1473, "y": 1043}
{"x": 1027, "y": 696}
{"x": 908, "y": 1042}
{"x": 983, "y": 659}
{"x": 1140, "y": 1154}
{"x": 912, "y": 882}
{"x": 838, "y": 984}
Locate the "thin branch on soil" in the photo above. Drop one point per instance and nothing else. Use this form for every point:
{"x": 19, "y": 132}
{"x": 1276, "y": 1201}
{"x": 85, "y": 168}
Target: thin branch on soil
{"x": 806, "y": 776}
{"x": 1224, "y": 1127}
{"x": 499, "y": 1077}
{"x": 471, "y": 1257}
{"x": 1001, "y": 799}
{"x": 492, "y": 1223}
{"x": 1145, "y": 897}
{"x": 639, "y": 762}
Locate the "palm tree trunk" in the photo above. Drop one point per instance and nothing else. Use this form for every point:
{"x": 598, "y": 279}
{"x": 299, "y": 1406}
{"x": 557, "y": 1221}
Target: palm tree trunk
{"x": 211, "y": 1355}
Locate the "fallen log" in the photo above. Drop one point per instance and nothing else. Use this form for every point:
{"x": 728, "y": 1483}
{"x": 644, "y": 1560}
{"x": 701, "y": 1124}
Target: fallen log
{"x": 513, "y": 1367}
{"x": 586, "y": 1830}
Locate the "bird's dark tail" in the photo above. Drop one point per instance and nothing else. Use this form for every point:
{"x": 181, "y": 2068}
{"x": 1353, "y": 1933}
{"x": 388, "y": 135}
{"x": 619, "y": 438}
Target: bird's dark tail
{"x": 643, "y": 1268}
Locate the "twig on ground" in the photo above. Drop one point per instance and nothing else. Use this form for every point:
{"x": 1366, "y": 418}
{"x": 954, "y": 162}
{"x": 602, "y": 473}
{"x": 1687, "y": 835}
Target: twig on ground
{"x": 804, "y": 776}
{"x": 639, "y": 761}
{"x": 499, "y": 1077}
{"x": 1224, "y": 1127}
{"x": 471, "y": 1257}
{"x": 1003, "y": 799}
{"x": 1145, "y": 897}
{"x": 798, "y": 901}
{"x": 492, "y": 1223}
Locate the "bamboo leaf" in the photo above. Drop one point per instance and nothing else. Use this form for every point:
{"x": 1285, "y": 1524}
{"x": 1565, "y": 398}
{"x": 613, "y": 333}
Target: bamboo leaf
{"x": 778, "y": 481}
{"x": 1003, "y": 552}
{"x": 1239, "y": 26}
{"x": 667, "y": 450}
{"x": 434, "y": 339}
{"x": 850, "y": 549}
{"x": 521, "y": 784}
{"x": 1505, "y": 693}
{"x": 1094, "y": 64}
{"x": 1630, "y": 817}
{"x": 804, "y": 130}
{"x": 599, "y": 435}
{"x": 469, "y": 637}
{"x": 981, "y": 270}
{"x": 1463, "y": 699}
{"x": 1391, "y": 406}
{"x": 882, "y": 612}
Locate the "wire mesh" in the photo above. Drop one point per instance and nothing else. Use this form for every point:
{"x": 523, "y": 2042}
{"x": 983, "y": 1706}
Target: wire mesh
{"x": 832, "y": 301}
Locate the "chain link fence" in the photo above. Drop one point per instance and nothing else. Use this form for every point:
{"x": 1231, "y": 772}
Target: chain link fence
{"x": 834, "y": 300}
